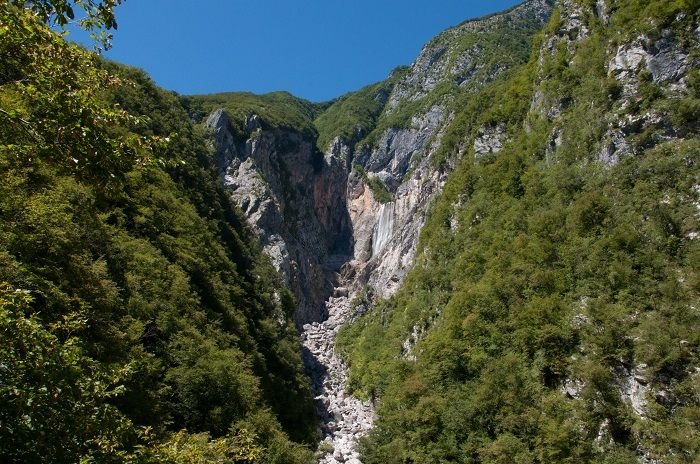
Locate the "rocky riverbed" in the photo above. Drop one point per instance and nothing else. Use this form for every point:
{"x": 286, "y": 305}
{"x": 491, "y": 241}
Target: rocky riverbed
{"x": 344, "y": 418}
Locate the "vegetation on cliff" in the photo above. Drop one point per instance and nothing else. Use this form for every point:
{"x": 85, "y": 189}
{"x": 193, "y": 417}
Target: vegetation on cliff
{"x": 552, "y": 312}
{"x": 355, "y": 115}
{"x": 277, "y": 110}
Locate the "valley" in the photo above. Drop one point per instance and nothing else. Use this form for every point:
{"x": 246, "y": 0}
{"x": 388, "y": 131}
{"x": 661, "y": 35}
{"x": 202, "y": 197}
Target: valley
{"x": 489, "y": 257}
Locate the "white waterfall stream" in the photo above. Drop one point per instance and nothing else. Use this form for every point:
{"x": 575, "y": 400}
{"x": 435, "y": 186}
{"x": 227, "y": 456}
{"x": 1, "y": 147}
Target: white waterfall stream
{"x": 384, "y": 228}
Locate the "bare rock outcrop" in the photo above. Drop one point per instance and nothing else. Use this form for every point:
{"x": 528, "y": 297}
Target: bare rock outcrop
{"x": 293, "y": 198}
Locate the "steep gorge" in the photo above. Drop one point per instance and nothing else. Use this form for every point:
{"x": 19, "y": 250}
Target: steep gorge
{"x": 341, "y": 223}
{"x": 361, "y": 200}
{"x": 489, "y": 257}
{"x": 444, "y": 142}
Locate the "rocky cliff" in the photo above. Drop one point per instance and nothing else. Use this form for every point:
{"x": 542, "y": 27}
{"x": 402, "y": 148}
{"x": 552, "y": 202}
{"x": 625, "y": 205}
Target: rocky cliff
{"x": 293, "y": 198}
{"x": 360, "y": 202}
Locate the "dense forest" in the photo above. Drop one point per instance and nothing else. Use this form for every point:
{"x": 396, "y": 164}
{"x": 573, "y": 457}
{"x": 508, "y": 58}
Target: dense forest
{"x": 140, "y": 321}
{"x": 549, "y": 278}
{"x": 550, "y": 315}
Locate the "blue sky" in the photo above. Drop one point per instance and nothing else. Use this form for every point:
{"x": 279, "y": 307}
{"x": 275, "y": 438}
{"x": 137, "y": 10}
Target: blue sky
{"x": 315, "y": 49}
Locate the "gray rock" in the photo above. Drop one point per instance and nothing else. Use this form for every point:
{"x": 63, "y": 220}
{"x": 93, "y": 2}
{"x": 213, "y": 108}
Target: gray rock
{"x": 634, "y": 388}
{"x": 344, "y": 418}
{"x": 253, "y": 123}
{"x": 297, "y": 210}
{"x": 664, "y": 59}
{"x": 667, "y": 61}
{"x": 219, "y": 125}
{"x": 602, "y": 12}
{"x": 573, "y": 25}
{"x": 614, "y": 147}
{"x": 340, "y": 292}
{"x": 490, "y": 140}
{"x": 391, "y": 157}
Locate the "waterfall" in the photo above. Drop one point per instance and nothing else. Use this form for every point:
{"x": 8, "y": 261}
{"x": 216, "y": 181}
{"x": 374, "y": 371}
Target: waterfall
{"x": 384, "y": 227}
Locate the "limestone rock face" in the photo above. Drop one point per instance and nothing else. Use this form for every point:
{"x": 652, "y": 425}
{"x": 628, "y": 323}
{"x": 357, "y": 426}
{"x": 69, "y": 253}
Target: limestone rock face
{"x": 401, "y": 157}
{"x": 330, "y": 205}
{"x": 313, "y": 213}
{"x": 664, "y": 59}
{"x": 665, "y": 62}
{"x": 396, "y": 148}
{"x": 294, "y": 200}
{"x": 390, "y": 260}
{"x": 490, "y": 140}
{"x": 219, "y": 123}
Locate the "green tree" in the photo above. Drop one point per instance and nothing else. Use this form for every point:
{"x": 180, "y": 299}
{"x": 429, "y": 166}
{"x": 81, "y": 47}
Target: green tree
{"x": 98, "y": 16}
{"x": 111, "y": 217}
{"x": 55, "y": 401}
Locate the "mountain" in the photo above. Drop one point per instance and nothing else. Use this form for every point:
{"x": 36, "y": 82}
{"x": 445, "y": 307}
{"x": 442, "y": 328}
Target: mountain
{"x": 314, "y": 180}
{"x": 489, "y": 257}
{"x": 338, "y": 192}
{"x": 551, "y": 314}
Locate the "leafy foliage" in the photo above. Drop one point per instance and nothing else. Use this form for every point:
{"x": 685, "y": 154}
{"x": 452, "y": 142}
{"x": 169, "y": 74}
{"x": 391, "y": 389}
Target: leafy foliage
{"x": 141, "y": 321}
{"x": 183, "y": 448}
{"x": 545, "y": 279}
{"x": 276, "y": 109}
{"x": 354, "y": 115}
{"x": 55, "y": 399}
{"x": 98, "y": 16}
{"x": 379, "y": 190}
{"x": 44, "y": 121}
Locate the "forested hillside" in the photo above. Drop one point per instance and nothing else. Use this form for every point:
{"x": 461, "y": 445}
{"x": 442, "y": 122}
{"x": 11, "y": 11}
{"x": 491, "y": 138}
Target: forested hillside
{"x": 139, "y": 320}
{"x": 552, "y": 313}
{"x": 503, "y": 236}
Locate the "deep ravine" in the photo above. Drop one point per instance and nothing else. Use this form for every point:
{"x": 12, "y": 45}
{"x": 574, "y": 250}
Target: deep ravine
{"x": 315, "y": 208}
{"x": 343, "y": 418}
